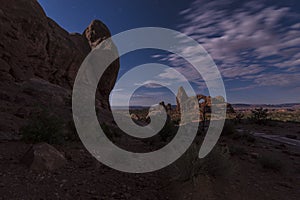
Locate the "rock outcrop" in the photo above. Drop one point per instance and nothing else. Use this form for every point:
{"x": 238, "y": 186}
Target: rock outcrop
{"x": 33, "y": 45}
{"x": 205, "y": 102}
{"x": 181, "y": 97}
{"x": 39, "y": 61}
{"x": 43, "y": 156}
{"x": 96, "y": 32}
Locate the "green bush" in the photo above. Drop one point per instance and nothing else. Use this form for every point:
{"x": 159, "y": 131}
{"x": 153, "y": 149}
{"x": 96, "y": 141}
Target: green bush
{"x": 176, "y": 121}
{"x": 216, "y": 164}
{"x": 110, "y": 132}
{"x": 238, "y": 118}
{"x": 168, "y": 131}
{"x": 43, "y": 127}
{"x": 249, "y": 138}
{"x": 187, "y": 166}
{"x": 259, "y": 115}
{"x": 243, "y": 136}
{"x": 228, "y": 128}
{"x": 237, "y": 136}
{"x": 236, "y": 150}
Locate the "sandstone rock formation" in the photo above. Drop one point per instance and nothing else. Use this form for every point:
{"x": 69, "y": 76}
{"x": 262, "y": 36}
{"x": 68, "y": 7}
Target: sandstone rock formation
{"x": 96, "y": 32}
{"x": 135, "y": 117}
{"x": 181, "y": 97}
{"x": 33, "y": 45}
{"x": 39, "y": 61}
{"x": 205, "y": 102}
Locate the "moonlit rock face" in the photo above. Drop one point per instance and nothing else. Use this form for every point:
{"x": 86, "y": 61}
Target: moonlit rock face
{"x": 34, "y": 47}
{"x": 96, "y": 32}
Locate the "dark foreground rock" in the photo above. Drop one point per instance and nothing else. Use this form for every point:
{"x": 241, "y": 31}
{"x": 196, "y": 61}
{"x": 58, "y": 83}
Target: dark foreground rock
{"x": 38, "y": 64}
{"x": 42, "y": 157}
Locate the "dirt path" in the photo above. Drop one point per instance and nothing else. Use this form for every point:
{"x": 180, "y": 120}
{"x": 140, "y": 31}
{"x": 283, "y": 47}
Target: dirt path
{"x": 273, "y": 137}
{"x": 279, "y": 138}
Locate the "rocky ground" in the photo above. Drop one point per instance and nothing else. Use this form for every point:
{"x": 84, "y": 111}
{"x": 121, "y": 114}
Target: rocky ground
{"x": 253, "y": 169}
{"x": 81, "y": 178}
{"x": 39, "y": 61}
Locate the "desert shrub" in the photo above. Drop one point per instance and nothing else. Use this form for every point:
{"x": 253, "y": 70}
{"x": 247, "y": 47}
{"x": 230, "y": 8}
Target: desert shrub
{"x": 216, "y": 164}
{"x": 71, "y": 132}
{"x": 228, "y": 128}
{"x": 105, "y": 129}
{"x": 236, "y": 136}
{"x": 43, "y": 127}
{"x": 168, "y": 131}
{"x": 176, "y": 121}
{"x": 237, "y": 150}
{"x": 238, "y": 118}
{"x": 243, "y": 136}
{"x": 249, "y": 138}
{"x": 185, "y": 168}
{"x": 259, "y": 115}
{"x": 110, "y": 132}
{"x": 269, "y": 162}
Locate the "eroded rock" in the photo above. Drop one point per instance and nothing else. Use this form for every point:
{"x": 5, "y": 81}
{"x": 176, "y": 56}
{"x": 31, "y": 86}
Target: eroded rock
{"x": 39, "y": 62}
{"x": 43, "y": 156}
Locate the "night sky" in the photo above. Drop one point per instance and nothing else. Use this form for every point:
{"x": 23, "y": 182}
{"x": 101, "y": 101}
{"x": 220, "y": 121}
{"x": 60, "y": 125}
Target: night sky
{"x": 255, "y": 44}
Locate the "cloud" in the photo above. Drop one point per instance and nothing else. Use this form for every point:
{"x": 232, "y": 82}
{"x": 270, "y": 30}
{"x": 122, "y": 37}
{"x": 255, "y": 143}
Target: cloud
{"x": 248, "y": 39}
{"x": 241, "y": 88}
{"x": 118, "y": 90}
{"x": 170, "y": 74}
{"x": 296, "y": 26}
{"x": 237, "y": 71}
{"x": 153, "y": 84}
{"x": 283, "y": 80}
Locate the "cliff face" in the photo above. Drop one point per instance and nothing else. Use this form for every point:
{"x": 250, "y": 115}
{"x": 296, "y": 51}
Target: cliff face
{"x": 32, "y": 45}
{"x": 36, "y": 51}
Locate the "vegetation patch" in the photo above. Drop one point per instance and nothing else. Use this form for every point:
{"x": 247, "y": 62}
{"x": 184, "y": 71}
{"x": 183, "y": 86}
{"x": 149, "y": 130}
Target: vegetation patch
{"x": 43, "y": 127}
{"x": 269, "y": 162}
{"x": 259, "y": 116}
{"x": 237, "y": 150}
{"x": 228, "y": 128}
